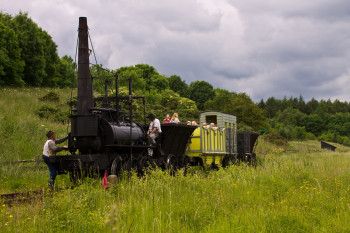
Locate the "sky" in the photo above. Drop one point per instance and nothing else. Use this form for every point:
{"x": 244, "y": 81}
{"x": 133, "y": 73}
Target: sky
{"x": 264, "y": 48}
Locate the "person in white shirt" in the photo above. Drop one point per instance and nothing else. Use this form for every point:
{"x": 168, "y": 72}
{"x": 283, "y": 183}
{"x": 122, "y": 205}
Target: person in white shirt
{"x": 49, "y": 150}
{"x": 153, "y": 131}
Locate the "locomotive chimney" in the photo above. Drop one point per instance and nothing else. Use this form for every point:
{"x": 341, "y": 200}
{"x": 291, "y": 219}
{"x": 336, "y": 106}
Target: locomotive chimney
{"x": 85, "y": 97}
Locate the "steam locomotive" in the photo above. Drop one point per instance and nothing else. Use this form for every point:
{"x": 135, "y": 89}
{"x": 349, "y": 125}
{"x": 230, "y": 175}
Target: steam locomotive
{"x": 103, "y": 137}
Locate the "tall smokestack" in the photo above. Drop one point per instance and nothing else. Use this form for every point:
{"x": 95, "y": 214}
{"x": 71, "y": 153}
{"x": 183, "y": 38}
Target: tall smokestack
{"x": 85, "y": 98}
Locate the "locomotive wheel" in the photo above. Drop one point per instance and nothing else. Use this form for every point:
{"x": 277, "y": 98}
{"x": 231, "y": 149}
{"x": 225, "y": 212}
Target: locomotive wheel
{"x": 132, "y": 164}
{"x": 145, "y": 164}
{"x": 75, "y": 177}
{"x": 117, "y": 165}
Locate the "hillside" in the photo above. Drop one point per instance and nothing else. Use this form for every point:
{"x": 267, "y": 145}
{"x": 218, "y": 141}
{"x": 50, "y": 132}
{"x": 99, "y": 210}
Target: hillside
{"x": 22, "y": 131}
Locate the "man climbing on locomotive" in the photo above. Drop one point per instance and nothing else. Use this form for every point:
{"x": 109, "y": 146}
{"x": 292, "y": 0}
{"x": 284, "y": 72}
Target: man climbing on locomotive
{"x": 153, "y": 131}
{"x": 50, "y": 149}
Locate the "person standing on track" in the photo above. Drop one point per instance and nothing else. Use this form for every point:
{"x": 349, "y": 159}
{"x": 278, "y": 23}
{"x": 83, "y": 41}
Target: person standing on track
{"x": 49, "y": 150}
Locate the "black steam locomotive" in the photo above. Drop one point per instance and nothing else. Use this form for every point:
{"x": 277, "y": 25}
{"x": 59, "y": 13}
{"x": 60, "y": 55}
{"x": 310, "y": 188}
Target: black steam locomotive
{"x": 105, "y": 138}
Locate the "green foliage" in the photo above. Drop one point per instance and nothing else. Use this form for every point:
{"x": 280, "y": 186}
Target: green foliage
{"x": 201, "y": 92}
{"x": 51, "y": 96}
{"x": 153, "y": 80}
{"x": 290, "y": 116}
{"x": 160, "y": 100}
{"x": 46, "y": 111}
{"x": 310, "y": 136}
{"x": 11, "y": 64}
{"x": 284, "y": 131}
{"x": 126, "y": 73}
{"x": 144, "y": 77}
{"x": 339, "y": 123}
{"x": 299, "y": 133}
{"x": 320, "y": 118}
{"x": 159, "y": 83}
{"x": 101, "y": 76}
{"x": 52, "y": 109}
{"x": 327, "y": 136}
{"x": 30, "y": 41}
{"x": 28, "y": 55}
{"x": 169, "y": 102}
{"x": 271, "y": 107}
{"x": 52, "y": 113}
{"x": 178, "y": 85}
{"x": 51, "y": 60}
{"x": 67, "y": 75}
{"x": 275, "y": 138}
{"x": 239, "y": 105}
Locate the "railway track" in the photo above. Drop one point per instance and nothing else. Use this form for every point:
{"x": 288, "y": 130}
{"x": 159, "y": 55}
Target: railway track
{"x": 34, "y": 196}
{"x": 17, "y": 198}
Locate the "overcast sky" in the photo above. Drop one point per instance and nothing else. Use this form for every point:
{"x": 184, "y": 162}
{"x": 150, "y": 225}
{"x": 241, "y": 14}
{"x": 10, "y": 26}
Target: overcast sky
{"x": 264, "y": 48}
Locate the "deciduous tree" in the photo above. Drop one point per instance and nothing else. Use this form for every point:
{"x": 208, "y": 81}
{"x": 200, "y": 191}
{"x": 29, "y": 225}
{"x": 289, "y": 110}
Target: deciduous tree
{"x": 201, "y": 92}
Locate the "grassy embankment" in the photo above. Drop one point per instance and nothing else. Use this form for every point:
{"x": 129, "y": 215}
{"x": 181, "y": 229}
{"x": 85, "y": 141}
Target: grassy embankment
{"x": 22, "y": 134}
{"x": 304, "y": 190}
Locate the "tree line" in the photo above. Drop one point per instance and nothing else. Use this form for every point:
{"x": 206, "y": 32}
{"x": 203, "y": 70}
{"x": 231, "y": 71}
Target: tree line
{"x": 297, "y": 119}
{"x": 28, "y": 55}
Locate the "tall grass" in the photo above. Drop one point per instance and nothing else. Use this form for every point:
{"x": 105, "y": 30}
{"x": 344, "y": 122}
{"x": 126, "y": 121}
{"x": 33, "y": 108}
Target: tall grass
{"x": 297, "y": 188}
{"x": 286, "y": 192}
{"x": 22, "y": 132}
{"x": 22, "y": 135}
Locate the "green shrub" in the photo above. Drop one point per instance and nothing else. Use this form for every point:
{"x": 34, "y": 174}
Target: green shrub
{"x": 52, "y": 113}
{"x": 299, "y": 133}
{"x": 51, "y": 96}
{"x": 46, "y": 111}
{"x": 275, "y": 138}
{"x": 328, "y": 136}
{"x": 310, "y": 136}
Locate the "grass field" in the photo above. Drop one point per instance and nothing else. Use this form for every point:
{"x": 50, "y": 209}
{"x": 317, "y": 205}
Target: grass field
{"x": 298, "y": 188}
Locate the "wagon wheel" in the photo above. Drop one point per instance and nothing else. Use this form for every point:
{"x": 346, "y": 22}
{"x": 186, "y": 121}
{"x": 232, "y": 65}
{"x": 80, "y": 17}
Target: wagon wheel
{"x": 186, "y": 161}
{"x": 117, "y": 166}
{"x": 171, "y": 163}
{"x": 228, "y": 160}
{"x": 253, "y": 160}
{"x": 186, "y": 164}
{"x": 200, "y": 163}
